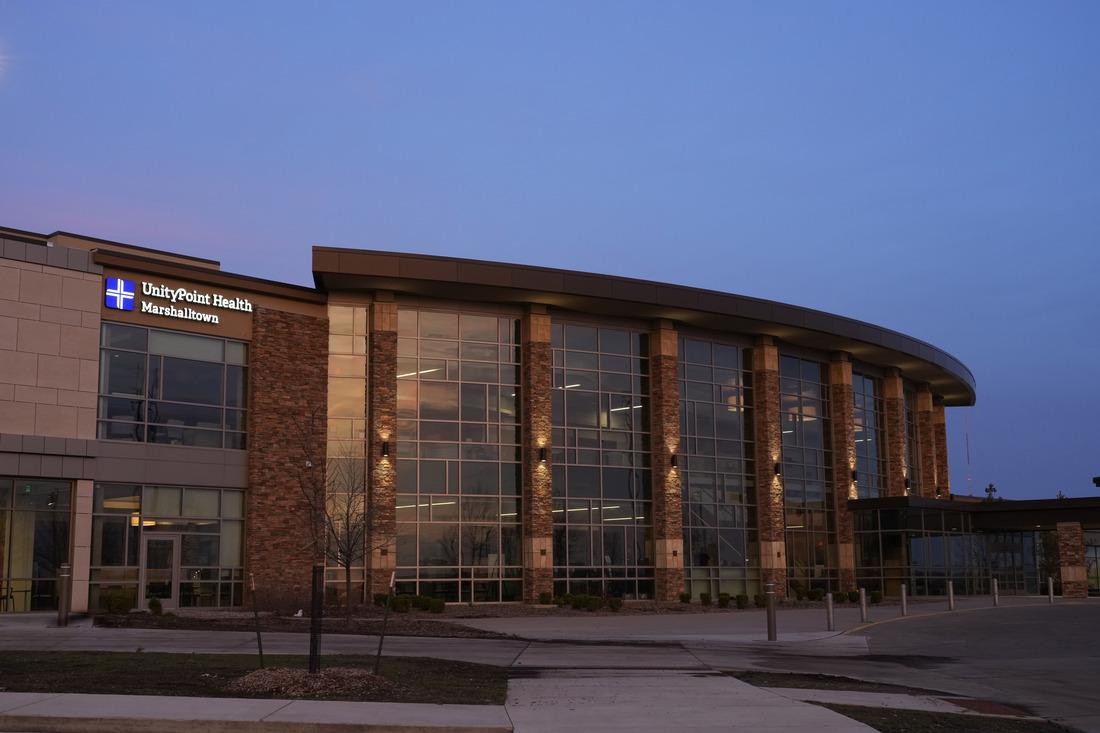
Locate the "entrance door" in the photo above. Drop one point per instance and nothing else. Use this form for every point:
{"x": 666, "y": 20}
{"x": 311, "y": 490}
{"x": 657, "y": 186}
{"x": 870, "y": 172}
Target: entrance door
{"x": 160, "y": 570}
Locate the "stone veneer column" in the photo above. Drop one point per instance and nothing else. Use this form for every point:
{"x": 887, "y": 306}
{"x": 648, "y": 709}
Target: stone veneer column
{"x": 897, "y": 467}
{"x": 767, "y": 450}
{"x": 664, "y": 437}
{"x": 382, "y": 434}
{"x": 939, "y": 427}
{"x": 82, "y": 545}
{"x": 842, "y": 410}
{"x": 926, "y": 437}
{"x": 288, "y": 373}
{"x": 538, "y": 518}
{"x": 1071, "y": 560}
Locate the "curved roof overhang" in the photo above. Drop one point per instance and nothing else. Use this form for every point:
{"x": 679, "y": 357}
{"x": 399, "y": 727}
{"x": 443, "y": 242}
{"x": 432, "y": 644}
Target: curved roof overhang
{"x": 460, "y": 279}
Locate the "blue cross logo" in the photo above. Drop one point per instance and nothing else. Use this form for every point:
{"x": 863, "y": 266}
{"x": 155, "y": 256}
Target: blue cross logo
{"x": 120, "y": 294}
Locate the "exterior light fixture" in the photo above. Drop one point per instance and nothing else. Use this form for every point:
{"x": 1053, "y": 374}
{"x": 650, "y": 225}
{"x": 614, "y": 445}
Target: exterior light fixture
{"x": 542, "y": 454}
{"x": 385, "y": 449}
{"x": 855, "y": 476}
{"x": 906, "y": 482}
{"x": 673, "y": 461}
{"x": 778, "y": 469}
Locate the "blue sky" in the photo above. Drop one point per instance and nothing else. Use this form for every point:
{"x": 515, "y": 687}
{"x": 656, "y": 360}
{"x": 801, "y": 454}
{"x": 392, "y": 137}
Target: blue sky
{"x": 929, "y": 167}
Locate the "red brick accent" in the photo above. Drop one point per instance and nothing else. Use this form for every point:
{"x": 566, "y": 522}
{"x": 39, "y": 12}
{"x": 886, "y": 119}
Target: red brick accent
{"x": 664, "y": 426}
{"x": 1071, "y": 560}
{"x": 382, "y": 428}
{"x": 893, "y": 393}
{"x": 287, "y": 395}
{"x": 842, "y": 411}
{"x": 939, "y": 426}
{"x": 926, "y": 433}
{"x": 538, "y": 518}
{"x": 767, "y": 445}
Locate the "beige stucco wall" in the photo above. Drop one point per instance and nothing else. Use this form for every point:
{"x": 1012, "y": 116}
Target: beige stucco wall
{"x": 49, "y": 350}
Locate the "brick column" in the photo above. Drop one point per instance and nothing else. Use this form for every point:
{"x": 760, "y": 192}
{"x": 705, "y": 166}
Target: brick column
{"x": 939, "y": 427}
{"x": 1071, "y": 560}
{"x": 664, "y": 427}
{"x": 382, "y": 438}
{"x": 926, "y": 435}
{"x": 842, "y": 410}
{"x": 288, "y": 397}
{"x": 538, "y": 519}
{"x": 767, "y": 451}
{"x": 897, "y": 468}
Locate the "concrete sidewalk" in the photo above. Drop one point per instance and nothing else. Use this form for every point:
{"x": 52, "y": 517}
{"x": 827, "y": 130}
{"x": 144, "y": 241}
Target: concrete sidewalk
{"x": 736, "y": 626}
{"x": 49, "y": 713}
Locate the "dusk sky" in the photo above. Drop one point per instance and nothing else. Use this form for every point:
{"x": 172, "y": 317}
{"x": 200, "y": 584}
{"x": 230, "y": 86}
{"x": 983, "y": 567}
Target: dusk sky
{"x": 929, "y": 167}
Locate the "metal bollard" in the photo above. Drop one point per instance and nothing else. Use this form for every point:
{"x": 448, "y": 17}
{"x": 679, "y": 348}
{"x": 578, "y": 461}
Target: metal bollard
{"x": 863, "y": 605}
{"x": 950, "y": 595}
{"x": 64, "y": 593}
{"x": 996, "y": 594}
{"x": 770, "y": 593}
{"x": 830, "y": 620}
{"x": 1050, "y": 589}
{"x": 904, "y": 600}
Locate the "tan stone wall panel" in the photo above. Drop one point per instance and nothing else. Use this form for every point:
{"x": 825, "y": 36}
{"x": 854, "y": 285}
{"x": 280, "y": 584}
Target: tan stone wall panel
{"x": 538, "y": 522}
{"x": 381, "y": 410}
{"x": 767, "y": 447}
{"x": 893, "y": 390}
{"x": 664, "y": 410}
{"x": 842, "y": 411}
{"x": 930, "y": 479}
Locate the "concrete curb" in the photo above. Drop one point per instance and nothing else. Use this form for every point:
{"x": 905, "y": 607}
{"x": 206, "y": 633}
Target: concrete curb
{"x": 934, "y": 614}
{"x": 58, "y": 724}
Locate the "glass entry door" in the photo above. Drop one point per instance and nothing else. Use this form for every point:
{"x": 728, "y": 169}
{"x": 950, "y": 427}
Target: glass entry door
{"x": 160, "y": 570}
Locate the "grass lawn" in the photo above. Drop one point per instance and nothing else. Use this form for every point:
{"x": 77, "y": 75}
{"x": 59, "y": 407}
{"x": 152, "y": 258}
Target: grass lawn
{"x": 207, "y": 675}
{"x": 914, "y": 721}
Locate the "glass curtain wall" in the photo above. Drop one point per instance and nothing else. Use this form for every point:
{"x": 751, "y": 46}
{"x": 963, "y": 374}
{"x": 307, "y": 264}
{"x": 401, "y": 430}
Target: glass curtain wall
{"x": 602, "y": 509}
{"x": 870, "y": 436}
{"x": 346, "y": 458}
{"x": 458, "y": 460}
{"x": 807, "y": 482}
{"x": 207, "y": 522}
{"x": 169, "y": 387}
{"x": 1092, "y": 561}
{"x": 34, "y": 542}
{"x": 717, "y": 468}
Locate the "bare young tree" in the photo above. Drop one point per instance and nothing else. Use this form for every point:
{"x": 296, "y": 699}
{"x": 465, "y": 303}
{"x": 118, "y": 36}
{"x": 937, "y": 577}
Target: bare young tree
{"x": 333, "y": 485}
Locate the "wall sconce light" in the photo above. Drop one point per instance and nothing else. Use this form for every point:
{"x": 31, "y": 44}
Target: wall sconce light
{"x": 778, "y": 469}
{"x": 907, "y": 482}
{"x": 542, "y": 454}
{"x": 673, "y": 461}
{"x": 385, "y": 449}
{"x": 855, "y": 476}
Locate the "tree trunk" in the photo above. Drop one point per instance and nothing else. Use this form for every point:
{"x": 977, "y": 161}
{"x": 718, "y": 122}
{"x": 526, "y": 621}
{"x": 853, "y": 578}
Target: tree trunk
{"x": 315, "y": 613}
{"x": 347, "y": 591}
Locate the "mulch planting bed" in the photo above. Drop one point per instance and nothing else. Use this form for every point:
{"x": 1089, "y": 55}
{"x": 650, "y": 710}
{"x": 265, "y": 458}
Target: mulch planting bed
{"x": 342, "y": 677}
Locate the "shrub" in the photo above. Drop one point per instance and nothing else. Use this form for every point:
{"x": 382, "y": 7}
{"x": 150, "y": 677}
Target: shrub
{"x": 799, "y": 594}
{"x": 742, "y": 600}
{"x": 401, "y": 603}
{"x": 380, "y": 598}
{"x": 723, "y": 600}
{"x": 592, "y": 603}
{"x": 876, "y": 596}
{"x": 853, "y": 596}
{"x": 577, "y": 602}
{"x": 436, "y": 605}
{"x": 422, "y": 603}
{"x": 559, "y": 601}
{"x": 817, "y": 594}
{"x": 567, "y": 599}
{"x": 546, "y": 598}
{"x": 685, "y": 598}
{"x": 760, "y": 600}
{"x": 704, "y": 598}
{"x": 116, "y": 600}
{"x": 155, "y": 607}
{"x": 615, "y": 603}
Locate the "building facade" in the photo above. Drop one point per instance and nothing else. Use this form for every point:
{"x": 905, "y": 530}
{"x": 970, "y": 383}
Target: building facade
{"x": 499, "y": 432}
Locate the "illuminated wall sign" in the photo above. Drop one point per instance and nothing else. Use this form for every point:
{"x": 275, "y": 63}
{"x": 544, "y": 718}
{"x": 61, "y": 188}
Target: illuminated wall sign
{"x": 120, "y": 294}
